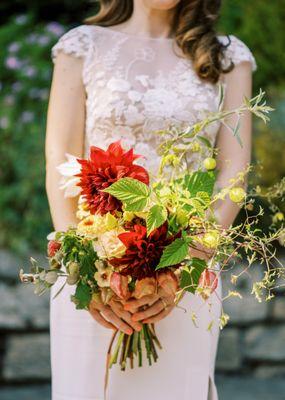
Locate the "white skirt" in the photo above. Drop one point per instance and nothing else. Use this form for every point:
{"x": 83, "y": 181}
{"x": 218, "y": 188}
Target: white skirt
{"x": 184, "y": 370}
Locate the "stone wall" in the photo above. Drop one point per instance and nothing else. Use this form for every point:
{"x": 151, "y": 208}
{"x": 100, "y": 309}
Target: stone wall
{"x": 251, "y": 345}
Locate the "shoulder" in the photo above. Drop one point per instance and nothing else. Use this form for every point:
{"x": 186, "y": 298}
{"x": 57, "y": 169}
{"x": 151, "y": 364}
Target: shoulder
{"x": 236, "y": 51}
{"x": 74, "y": 42}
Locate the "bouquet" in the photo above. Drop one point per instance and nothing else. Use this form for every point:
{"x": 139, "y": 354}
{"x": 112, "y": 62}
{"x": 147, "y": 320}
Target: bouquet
{"x": 135, "y": 234}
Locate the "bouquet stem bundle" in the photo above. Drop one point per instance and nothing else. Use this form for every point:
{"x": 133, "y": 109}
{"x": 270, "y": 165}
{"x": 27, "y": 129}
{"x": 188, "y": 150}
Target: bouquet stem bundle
{"x": 134, "y": 346}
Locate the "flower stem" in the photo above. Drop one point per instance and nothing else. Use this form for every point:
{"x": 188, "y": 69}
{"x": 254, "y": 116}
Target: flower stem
{"x": 114, "y": 357}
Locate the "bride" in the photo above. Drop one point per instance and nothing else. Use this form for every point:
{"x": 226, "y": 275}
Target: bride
{"x": 139, "y": 66}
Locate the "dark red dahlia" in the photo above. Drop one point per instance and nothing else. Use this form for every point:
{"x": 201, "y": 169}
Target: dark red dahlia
{"x": 104, "y": 168}
{"x": 143, "y": 252}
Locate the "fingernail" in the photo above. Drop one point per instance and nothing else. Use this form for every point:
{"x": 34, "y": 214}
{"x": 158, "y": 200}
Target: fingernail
{"x": 129, "y": 331}
{"x": 138, "y": 328}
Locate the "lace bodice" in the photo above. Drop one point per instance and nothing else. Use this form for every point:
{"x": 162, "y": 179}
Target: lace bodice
{"x": 136, "y": 85}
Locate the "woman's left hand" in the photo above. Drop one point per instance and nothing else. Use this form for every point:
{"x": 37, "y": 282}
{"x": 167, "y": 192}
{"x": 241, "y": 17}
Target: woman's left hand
{"x": 155, "y": 307}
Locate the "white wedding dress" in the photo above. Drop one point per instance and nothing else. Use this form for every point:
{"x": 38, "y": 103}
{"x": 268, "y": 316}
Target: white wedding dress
{"x": 135, "y": 85}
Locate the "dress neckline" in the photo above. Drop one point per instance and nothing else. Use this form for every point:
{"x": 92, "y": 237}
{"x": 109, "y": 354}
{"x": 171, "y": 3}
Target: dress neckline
{"x": 134, "y": 36}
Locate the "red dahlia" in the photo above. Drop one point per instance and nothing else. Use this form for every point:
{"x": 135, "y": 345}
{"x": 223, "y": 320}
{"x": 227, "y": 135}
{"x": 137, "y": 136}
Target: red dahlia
{"x": 104, "y": 168}
{"x": 142, "y": 252}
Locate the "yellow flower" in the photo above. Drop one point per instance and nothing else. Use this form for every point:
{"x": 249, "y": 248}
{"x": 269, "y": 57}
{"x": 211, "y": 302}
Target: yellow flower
{"x": 95, "y": 225}
{"x": 195, "y": 147}
{"x": 82, "y": 211}
{"x": 237, "y": 194}
{"x": 109, "y": 245}
{"x": 103, "y": 276}
{"x": 210, "y": 163}
{"x": 128, "y": 216}
{"x": 110, "y": 221}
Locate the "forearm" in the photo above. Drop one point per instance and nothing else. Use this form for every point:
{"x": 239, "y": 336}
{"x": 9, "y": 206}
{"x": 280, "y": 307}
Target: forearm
{"x": 65, "y": 134}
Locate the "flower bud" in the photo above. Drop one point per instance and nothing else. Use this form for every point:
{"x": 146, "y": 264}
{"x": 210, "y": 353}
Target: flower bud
{"x": 51, "y": 277}
{"x": 73, "y": 268}
{"x": 119, "y": 285}
{"x": 208, "y": 282}
{"x": 168, "y": 282}
{"x": 144, "y": 287}
{"x": 53, "y": 247}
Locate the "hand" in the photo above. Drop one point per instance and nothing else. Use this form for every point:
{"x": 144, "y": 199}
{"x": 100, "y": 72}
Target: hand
{"x": 155, "y": 307}
{"x": 113, "y": 316}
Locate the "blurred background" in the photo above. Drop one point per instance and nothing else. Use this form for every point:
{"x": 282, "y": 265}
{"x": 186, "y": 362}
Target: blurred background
{"x": 251, "y": 358}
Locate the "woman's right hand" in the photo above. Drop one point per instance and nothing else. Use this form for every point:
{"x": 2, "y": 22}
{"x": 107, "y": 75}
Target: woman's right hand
{"x": 114, "y": 316}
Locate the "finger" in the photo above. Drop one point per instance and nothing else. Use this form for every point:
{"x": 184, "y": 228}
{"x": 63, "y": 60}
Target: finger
{"x": 125, "y": 315}
{"x": 115, "y": 320}
{"x": 133, "y": 304}
{"x": 98, "y": 317}
{"x": 149, "y": 312}
{"x": 159, "y": 316}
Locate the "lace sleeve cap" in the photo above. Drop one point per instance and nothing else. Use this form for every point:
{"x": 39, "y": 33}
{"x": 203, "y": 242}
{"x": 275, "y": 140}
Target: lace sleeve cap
{"x": 74, "y": 42}
{"x": 237, "y": 52}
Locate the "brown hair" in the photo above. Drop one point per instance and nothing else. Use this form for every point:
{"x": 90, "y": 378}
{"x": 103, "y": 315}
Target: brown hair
{"x": 193, "y": 28}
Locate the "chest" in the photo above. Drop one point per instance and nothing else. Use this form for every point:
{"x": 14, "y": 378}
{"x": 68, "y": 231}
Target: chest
{"x": 129, "y": 83}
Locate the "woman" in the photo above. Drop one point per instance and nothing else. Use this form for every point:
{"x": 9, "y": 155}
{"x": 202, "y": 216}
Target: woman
{"x": 139, "y": 66}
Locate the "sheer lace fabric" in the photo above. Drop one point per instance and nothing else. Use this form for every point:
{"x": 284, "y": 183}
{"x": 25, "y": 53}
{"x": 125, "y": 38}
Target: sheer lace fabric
{"x": 136, "y": 85}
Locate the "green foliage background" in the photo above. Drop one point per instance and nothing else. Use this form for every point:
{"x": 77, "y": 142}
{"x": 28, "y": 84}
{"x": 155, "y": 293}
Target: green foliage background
{"x": 28, "y": 31}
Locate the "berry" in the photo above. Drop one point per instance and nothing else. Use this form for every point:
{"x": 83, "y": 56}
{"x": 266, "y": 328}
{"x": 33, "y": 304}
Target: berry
{"x": 211, "y": 239}
{"x": 210, "y": 163}
{"x": 237, "y": 194}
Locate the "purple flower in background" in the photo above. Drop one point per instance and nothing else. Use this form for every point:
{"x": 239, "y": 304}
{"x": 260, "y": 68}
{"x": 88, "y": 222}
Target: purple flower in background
{"x": 27, "y": 116}
{"x": 32, "y": 38}
{"x": 55, "y": 28}
{"x": 43, "y": 40}
{"x": 14, "y": 47}
{"x": 21, "y": 19}
{"x": 13, "y": 63}
{"x": 30, "y": 71}
{"x": 17, "y": 87}
{"x": 34, "y": 93}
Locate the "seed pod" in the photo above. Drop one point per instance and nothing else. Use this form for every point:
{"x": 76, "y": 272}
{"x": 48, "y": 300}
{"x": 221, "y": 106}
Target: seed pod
{"x": 72, "y": 279}
{"x": 51, "y": 277}
{"x": 73, "y": 268}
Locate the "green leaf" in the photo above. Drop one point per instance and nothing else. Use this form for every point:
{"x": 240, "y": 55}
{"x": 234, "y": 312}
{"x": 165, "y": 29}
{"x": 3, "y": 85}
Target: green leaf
{"x": 87, "y": 258}
{"x": 221, "y": 97}
{"x": 174, "y": 253}
{"x": 205, "y": 141}
{"x": 133, "y": 193}
{"x": 200, "y": 181}
{"x": 204, "y": 198}
{"x": 236, "y": 132}
{"x": 156, "y": 216}
{"x": 82, "y": 296}
{"x": 191, "y": 274}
